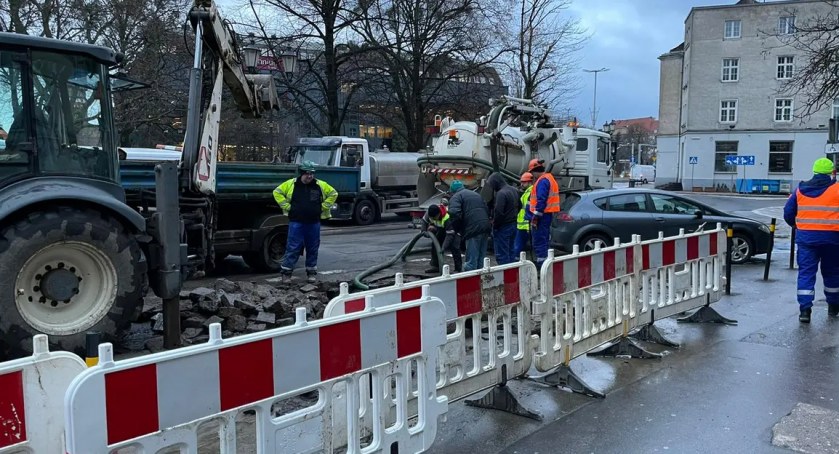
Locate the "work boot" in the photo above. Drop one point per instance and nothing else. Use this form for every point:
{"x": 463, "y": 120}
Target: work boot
{"x": 804, "y": 316}
{"x": 285, "y": 278}
{"x": 833, "y": 310}
{"x": 311, "y": 276}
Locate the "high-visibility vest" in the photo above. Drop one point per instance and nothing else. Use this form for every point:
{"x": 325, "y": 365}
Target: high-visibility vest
{"x": 552, "y": 205}
{"x": 283, "y": 193}
{"x": 818, "y": 213}
{"x": 522, "y": 223}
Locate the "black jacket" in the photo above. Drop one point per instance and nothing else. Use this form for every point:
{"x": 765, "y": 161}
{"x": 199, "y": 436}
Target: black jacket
{"x": 506, "y": 203}
{"x": 470, "y": 214}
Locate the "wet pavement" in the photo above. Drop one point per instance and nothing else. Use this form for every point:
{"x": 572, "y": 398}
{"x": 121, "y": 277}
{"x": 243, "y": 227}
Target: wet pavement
{"x": 724, "y": 390}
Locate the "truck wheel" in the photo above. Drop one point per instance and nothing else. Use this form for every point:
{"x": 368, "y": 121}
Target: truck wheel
{"x": 67, "y": 271}
{"x": 365, "y": 212}
{"x": 269, "y": 258}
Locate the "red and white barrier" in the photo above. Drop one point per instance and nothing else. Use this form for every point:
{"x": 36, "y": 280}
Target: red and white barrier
{"x": 587, "y": 299}
{"x": 158, "y": 401}
{"x": 492, "y": 296}
{"x": 681, "y": 273}
{"x": 32, "y": 398}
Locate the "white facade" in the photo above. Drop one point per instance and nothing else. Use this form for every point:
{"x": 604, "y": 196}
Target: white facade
{"x": 722, "y": 94}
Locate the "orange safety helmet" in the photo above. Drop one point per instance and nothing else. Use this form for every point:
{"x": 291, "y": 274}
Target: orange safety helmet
{"x": 534, "y": 163}
{"x": 526, "y": 177}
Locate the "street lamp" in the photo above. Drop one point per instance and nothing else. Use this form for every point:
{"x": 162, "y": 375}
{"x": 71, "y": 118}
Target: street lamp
{"x": 252, "y": 54}
{"x": 594, "y": 105}
{"x": 289, "y": 63}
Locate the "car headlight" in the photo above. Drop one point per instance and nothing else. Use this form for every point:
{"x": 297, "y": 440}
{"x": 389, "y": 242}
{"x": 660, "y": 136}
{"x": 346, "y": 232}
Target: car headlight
{"x": 764, "y": 228}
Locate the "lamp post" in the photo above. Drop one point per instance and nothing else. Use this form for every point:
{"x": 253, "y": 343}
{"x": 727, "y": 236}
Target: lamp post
{"x": 594, "y": 105}
{"x": 252, "y": 54}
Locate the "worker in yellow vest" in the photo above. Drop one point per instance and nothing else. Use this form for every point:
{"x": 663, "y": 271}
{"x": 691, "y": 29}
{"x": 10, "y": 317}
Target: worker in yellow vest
{"x": 523, "y": 220}
{"x": 544, "y": 203}
{"x": 813, "y": 209}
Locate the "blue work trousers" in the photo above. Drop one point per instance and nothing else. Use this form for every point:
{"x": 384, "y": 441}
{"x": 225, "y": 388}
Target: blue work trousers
{"x": 503, "y": 242}
{"x": 299, "y": 235}
{"x": 542, "y": 239}
{"x": 476, "y": 249}
{"x": 809, "y": 259}
{"x": 522, "y": 242}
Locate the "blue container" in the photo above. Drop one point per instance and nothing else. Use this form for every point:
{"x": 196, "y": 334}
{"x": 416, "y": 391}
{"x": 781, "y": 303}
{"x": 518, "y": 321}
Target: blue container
{"x": 744, "y": 186}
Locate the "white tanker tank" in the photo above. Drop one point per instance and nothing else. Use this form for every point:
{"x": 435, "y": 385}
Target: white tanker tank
{"x": 515, "y": 131}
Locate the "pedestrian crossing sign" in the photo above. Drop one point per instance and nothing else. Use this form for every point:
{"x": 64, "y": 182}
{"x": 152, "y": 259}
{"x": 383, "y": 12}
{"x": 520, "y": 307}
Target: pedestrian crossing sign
{"x": 693, "y": 160}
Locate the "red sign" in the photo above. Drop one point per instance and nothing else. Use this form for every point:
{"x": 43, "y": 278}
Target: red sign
{"x": 268, "y": 63}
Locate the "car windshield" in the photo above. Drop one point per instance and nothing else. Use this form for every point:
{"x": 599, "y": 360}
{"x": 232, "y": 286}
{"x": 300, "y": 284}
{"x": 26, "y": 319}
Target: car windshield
{"x": 322, "y": 156}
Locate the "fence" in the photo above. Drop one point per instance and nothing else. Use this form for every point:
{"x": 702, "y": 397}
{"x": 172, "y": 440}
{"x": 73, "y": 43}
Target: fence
{"x": 160, "y": 401}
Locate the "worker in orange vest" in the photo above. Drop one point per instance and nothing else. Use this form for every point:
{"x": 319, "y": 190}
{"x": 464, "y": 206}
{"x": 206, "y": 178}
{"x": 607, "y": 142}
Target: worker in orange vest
{"x": 544, "y": 204}
{"x": 813, "y": 209}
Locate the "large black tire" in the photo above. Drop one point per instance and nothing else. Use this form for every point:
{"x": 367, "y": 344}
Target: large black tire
{"x": 270, "y": 256}
{"x": 587, "y": 242}
{"x": 742, "y": 248}
{"x": 66, "y": 271}
{"x": 365, "y": 212}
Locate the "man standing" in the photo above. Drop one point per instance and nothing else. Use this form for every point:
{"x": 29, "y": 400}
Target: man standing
{"x": 306, "y": 201}
{"x": 544, "y": 203}
{"x": 524, "y": 216}
{"x": 813, "y": 209}
{"x": 471, "y": 218}
{"x": 505, "y": 208}
{"x": 438, "y": 222}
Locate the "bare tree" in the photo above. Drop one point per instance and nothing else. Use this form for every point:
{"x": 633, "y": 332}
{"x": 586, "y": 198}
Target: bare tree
{"x": 319, "y": 33}
{"x": 816, "y": 75}
{"x": 423, "y": 46}
{"x": 546, "y": 62}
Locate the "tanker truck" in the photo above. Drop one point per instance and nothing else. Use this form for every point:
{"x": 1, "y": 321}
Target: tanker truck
{"x": 385, "y": 181}
{"x": 514, "y": 132}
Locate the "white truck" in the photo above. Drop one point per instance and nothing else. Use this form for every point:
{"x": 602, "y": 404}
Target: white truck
{"x": 369, "y": 183}
{"x": 515, "y": 131}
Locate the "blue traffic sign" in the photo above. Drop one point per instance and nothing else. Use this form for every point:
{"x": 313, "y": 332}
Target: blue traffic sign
{"x": 737, "y": 160}
{"x": 693, "y": 160}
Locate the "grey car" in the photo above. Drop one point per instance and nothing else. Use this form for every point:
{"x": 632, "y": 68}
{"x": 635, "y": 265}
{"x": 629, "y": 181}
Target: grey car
{"x": 602, "y": 215}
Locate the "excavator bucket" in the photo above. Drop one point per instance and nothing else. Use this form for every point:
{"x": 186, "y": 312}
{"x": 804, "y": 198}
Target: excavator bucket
{"x": 265, "y": 91}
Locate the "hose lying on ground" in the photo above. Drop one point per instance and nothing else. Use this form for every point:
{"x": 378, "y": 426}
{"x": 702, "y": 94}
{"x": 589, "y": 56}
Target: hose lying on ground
{"x": 403, "y": 252}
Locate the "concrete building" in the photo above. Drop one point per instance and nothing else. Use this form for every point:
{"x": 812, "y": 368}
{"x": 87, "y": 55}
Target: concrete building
{"x": 721, "y": 94}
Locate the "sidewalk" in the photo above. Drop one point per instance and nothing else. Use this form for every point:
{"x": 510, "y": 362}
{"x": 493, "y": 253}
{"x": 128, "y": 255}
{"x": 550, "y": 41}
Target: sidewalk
{"x": 724, "y": 390}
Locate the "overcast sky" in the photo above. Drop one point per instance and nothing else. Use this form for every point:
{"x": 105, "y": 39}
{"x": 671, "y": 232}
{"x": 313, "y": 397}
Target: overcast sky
{"x": 627, "y": 37}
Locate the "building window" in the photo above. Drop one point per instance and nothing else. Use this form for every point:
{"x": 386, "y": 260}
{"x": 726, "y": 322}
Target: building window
{"x": 786, "y": 25}
{"x": 728, "y": 111}
{"x": 722, "y": 150}
{"x": 732, "y": 29}
{"x": 780, "y": 157}
{"x": 783, "y": 109}
{"x": 730, "y": 69}
{"x": 785, "y": 67}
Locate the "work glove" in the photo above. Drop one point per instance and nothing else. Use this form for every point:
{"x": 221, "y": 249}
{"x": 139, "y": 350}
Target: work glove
{"x": 534, "y": 223}
{"x": 432, "y": 228}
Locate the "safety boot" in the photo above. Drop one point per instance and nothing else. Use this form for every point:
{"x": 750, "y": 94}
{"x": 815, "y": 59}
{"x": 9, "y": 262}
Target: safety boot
{"x": 311, "y": 277}
{"x": 285, "y": 277}
{"x": 804, "y": 315}
{"x": 833, "y": 310}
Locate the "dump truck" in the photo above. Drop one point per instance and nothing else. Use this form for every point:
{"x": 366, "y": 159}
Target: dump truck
{"x": 514, "y": 132}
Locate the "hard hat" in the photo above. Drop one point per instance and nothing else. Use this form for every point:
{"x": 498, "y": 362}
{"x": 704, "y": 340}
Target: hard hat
{"x": 536, "y": 163}
{"x": 526, "y": 177}
{"x": 307, "y": 166}
{"x": 456, "y": 185}
{"x": 823, "y": 166}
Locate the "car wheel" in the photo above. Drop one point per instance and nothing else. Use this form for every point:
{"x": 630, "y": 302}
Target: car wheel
{"x": 588, "y": 242}
{"x": 741, "y": 248}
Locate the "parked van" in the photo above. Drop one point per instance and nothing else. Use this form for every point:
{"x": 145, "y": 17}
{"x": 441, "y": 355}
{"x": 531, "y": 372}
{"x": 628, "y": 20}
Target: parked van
{"x": 642, "y": 173}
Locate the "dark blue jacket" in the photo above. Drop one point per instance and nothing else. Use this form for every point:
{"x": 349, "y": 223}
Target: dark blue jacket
{"x": 811, "y": 188}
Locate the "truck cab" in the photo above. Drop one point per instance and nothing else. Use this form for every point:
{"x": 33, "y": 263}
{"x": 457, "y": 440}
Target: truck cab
{"x": 369, "y": 183}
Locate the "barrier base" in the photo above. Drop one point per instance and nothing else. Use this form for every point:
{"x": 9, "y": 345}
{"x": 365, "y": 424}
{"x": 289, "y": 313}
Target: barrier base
{"x": 564, "y": 377}
{"x": 650, "y": 333}
{"x": 625, "y": 347}
{"x": 706, "y": 314}
{"x": 500, "y": 398}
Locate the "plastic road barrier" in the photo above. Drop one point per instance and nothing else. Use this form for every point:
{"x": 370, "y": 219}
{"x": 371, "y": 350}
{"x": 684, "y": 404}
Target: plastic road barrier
{"x": 32, "y": 398}
{"x": 159, "y": 401}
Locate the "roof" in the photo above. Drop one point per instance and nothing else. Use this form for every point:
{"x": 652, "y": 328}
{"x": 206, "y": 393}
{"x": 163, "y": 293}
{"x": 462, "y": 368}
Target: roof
{"x": 648, "y": 124}
{"x": 103, "y": 54}
{"x": 750, "y": 3}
